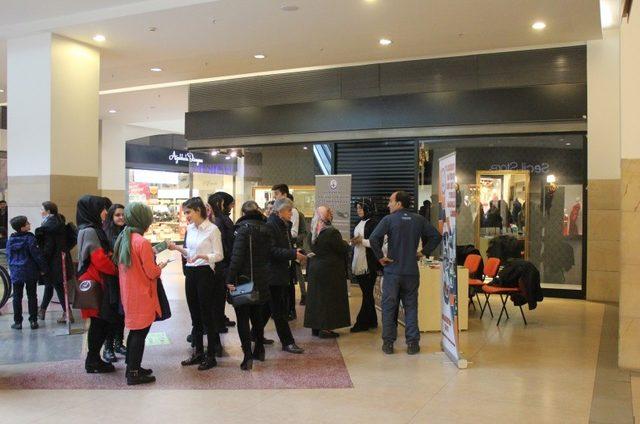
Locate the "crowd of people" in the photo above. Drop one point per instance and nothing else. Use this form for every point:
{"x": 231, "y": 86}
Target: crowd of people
{"x": 266, "y": 249}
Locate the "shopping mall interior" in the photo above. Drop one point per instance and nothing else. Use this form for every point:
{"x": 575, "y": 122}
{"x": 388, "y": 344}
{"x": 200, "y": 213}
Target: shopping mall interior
{"x": 346, "y": 102}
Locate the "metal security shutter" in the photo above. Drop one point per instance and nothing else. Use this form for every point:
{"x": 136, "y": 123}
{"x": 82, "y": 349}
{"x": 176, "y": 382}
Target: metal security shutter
{"x": 378, "y": 169}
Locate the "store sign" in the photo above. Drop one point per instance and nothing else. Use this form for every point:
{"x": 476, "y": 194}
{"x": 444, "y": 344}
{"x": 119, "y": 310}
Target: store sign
{"x": 534, "y": 168}
{"x": 334, "y": 191}
{"x": 188, "y": 157}
{"x": 449, "y": 295}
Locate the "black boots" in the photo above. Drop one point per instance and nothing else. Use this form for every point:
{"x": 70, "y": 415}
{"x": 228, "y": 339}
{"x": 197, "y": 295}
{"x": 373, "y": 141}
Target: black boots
{"x": 94, "y": 365}
{"x": 208, "y": 362}
{"x": 118, "y": 345}
{"x": 196, "y": 358}
{"x": 108, "y": 353}
{"x": 140, "y": 376}
{"x": 258, "y": 352}
{"x": 247, "y": 362}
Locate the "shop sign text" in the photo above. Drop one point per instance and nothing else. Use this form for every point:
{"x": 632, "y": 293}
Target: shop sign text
{"x": 534, "y": 168}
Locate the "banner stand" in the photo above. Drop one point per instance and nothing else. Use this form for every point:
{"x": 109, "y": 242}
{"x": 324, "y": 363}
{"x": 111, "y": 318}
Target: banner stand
{"x": 67, "y": 331}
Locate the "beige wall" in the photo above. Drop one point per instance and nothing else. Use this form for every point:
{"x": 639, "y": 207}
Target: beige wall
{"x": 629, "y": 342}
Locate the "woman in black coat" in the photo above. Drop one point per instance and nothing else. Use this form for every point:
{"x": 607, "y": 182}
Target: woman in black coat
{"x": 52, "y": 239}
{"x": 249, "y": 261}
{"x": 327, "y": 297}
{"x": 364, "y": 267}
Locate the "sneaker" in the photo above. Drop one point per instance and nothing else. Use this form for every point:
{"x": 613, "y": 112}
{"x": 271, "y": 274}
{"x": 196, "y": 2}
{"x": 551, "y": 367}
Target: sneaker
{"x": 387, "y": 348}
{"x": 413, "y": 348}
{"x": 109, "y": 355}
{"x": 34, "y": 325}
{"x": 17, "y": 326}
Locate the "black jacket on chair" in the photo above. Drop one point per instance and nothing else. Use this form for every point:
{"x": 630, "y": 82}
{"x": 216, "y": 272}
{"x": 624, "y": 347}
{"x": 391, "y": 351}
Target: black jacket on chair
{"x": 524, "y": 275}
{"x": 282, "y": 252}
{"x": 253, "y": 243}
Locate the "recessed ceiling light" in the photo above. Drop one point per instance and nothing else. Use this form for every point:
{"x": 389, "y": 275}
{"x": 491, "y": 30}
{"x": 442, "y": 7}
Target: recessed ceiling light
{"x": 233, "y": 154}
{"x": 289, "y": 8}
{"x": 153, "y": 29}
{"x": 112, "y": 111}
{"x": 305, "y": 148}
{"x": 99, "y": 38}
{"x": 214, "y": 153}
{"x": 385, "y": 41}
{"x": 567, "y": 144}
{"x": 259, "y": 56}
{"x": 228, "y": 157}
{"x": 1, "y": 90}
{"x": 539, "y": 25}
{"x": 156, "y": 69}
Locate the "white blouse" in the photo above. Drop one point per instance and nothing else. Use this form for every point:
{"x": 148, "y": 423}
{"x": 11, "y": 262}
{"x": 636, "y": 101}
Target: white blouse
{"x": 359, "y": 264}
{"x": 204, "y": 239}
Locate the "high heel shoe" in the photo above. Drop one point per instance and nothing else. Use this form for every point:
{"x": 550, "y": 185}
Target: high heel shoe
{"x": 247, "y": 363}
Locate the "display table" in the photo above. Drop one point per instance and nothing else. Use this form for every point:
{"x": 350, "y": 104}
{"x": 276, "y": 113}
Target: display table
{"x": 429, "y": 298}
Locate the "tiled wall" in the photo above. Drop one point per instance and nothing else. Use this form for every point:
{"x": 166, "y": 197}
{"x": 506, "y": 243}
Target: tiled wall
{"x": 603, "y": 241}
{"x": 629, "y": 348}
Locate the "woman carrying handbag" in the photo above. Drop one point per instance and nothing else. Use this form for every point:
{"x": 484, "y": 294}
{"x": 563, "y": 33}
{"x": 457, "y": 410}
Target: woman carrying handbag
{"x": 249, "y": 258}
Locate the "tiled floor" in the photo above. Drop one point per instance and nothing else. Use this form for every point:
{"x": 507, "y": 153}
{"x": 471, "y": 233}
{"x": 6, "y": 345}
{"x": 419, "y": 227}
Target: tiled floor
{"x": 542, "y": 373}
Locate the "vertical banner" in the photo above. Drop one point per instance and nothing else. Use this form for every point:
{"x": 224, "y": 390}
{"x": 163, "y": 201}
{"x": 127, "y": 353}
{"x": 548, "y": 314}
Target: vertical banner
{"x": 449, "y": 270}
{"x": 334, "y": 191}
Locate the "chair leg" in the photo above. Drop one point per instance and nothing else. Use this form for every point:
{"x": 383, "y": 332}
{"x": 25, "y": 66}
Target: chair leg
{"x": 472, "y": 302}
{"x": 486, "y": 305}
{"x": 522, "y": 313}
{"x": 503, "y": 299}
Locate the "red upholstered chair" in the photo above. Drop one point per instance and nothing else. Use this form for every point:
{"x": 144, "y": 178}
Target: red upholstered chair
{"x": 472, "y": 263}
{"x": 491, "y": 269}
{"x": 504, "y": 293}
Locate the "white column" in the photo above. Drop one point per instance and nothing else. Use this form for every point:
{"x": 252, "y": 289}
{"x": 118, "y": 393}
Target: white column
{"x": 53, "y": 85}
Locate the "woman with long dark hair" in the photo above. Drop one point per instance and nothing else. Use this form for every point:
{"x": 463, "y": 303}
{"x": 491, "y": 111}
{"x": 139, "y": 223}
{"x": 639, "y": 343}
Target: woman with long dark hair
{"x": 94, "y": 262}
{"x": 364, "y": 267}
{"x": 114, "y": 343}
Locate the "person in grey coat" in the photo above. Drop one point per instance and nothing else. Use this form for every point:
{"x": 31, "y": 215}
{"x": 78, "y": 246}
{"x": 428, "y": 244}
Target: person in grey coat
{"x": 327, "y": 297}
{"x": 404, "y": 230}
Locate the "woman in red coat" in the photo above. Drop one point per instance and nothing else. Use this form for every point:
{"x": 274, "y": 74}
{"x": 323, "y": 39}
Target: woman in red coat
{"x": 138, "y": 287}
{"x": 94, "y": 261}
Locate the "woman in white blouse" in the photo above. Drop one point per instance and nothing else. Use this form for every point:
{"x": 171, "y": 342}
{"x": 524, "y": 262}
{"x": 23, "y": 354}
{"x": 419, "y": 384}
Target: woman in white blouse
{"x": 364, "y": 267}
{"x": 202, "y": 249}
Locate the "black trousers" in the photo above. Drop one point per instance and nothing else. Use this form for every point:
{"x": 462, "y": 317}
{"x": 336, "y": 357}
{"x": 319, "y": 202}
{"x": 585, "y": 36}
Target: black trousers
{"x": 244, "y": 315}
{"x": 135, "y": 348}
{"x": 116, "y": 333}
{"x": 367, "y": 316}
{"x": 279, "y": 310}
{"x": 199, "y": 288}
{"x": 32, "y": 300}
{"x": 98, "y": 331}
{"x": 219, "y": 298}
{"x": 48, "y": 295}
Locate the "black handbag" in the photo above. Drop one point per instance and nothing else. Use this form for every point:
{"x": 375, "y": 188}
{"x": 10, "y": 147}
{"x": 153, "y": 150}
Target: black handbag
{"x": 88, "y": 295}
{"x": 246, "y": 293}
{"x": 165, "y": 308}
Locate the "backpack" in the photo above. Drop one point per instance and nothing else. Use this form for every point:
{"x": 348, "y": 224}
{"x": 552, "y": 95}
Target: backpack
{"x": 71, "y": 235}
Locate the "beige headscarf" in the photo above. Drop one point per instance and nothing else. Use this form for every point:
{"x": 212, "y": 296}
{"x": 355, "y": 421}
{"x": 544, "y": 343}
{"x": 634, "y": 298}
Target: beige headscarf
{"x": 319, "y": 222}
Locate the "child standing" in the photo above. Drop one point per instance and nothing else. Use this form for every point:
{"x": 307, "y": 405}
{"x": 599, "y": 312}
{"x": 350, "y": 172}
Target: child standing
{"x": 25, "y": 265}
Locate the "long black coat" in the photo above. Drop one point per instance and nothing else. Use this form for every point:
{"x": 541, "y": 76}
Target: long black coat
{"x": 282, "y": 252}
{"x": 327, "y": 297}
{"x": 253, "y": 239}
{"x": 52, "y": 241}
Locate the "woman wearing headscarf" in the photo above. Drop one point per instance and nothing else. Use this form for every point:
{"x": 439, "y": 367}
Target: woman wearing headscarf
{"x": 113, "y": 226}
{"x": 94, "y": 262}
{"x": 327, "y": 298}
{"x": 250, "y": 259}
{"x": 138, "y": 287}
{"x": 364, "y": 267}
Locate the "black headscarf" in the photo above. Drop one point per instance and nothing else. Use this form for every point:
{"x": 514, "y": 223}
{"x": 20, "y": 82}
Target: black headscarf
{"x": 88, "y": 213}
{"x": 367, "y": 207}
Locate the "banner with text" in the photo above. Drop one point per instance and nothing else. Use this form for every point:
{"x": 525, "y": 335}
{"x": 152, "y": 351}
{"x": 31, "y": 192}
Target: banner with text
{"x": 447, "y": 200}
{"x": 334, "y": 191}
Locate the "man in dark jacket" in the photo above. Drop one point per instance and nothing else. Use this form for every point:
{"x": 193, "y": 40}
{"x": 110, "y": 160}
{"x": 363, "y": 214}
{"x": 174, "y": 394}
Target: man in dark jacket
{"x": 26, "y": 266}
{"x": 404, "y": 230}
{"x": 281, "y": 270}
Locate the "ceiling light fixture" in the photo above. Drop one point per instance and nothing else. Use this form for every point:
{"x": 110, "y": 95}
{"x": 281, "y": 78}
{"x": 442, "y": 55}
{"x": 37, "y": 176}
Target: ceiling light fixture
{"x": 112, "y": 111}
{"x": 1, "y": 90}
{"x": 567, "y": 144}
{"x": 99, "y": 38}
{"x": 214, "y": 153}
{"x": 228, "y": 157}
{"x": 156, "y": 69}
{"x": 153, "y": 29}
{"x": 539, "y": 25}
{"x": 305, "y": 148}
{"x": 233, "y": 154}
{"x": 289, "y": 8}
{"x": 385, "y": 42}
{"x": 259, "y": 56}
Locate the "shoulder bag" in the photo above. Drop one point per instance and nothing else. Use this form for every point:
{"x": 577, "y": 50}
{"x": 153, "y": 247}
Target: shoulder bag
{"x": 246, "y": 293}
{"x": 87, "y": 295}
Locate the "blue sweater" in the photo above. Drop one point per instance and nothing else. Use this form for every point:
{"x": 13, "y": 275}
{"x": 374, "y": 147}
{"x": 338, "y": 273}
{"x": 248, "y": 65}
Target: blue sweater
{"x": 25, "y": 260}
{"x": 404, "y": 230}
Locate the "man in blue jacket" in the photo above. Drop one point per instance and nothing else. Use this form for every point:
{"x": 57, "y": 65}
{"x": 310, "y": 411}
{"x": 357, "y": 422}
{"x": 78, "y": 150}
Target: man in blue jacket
{"x": 26, "y": 265}
{"x": 404, "y": 231}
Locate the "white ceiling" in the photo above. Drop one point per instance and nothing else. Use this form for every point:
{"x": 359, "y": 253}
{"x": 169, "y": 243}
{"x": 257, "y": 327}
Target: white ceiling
{"x": 188, "y": 44}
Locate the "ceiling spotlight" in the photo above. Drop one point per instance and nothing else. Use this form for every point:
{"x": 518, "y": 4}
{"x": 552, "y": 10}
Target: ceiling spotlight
{"x": 153, "y": 29}
{"x": 305, "y": 148}
{"x": 385, "y": 41}
{"x": 233, "y": 154}
{"x": 214, "y": 153}
{"x": 1, "y": 90}
{"x": 567, "y": 144}
{"x": 228, "y": 157}
{"x": 289, "y": 8}
{"x": 112, "y": 111}
{"x": 539, "y": 26}
{"x": 156, "y": 69}
{"x": 259, "y": 56}
{"x": 99, "y": 38}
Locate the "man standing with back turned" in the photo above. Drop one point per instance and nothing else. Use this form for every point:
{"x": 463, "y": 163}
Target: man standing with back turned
{"x": 404, "y": 230}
